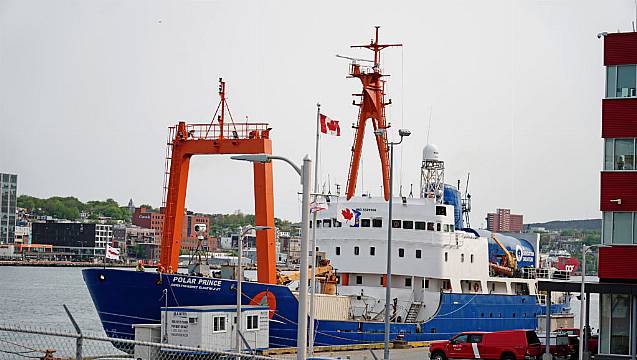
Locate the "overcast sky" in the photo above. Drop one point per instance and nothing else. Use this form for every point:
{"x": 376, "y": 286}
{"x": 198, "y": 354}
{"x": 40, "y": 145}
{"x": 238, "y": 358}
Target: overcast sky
{"x": 513, "y": 89}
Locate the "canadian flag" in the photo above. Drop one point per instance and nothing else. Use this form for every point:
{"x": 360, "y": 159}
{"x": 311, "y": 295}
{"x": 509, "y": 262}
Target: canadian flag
{"x": 112, "y": 252}
{"x": 330, "y": 126}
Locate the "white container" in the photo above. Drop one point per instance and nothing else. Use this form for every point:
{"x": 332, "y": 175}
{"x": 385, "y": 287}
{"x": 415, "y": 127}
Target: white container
{"x": 213, "y": 327}
{"x": 149, "y": 333}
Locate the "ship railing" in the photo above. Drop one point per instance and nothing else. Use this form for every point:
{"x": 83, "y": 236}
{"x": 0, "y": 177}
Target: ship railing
{"x": 528, "y": 272}
{"x": 232, "y": 131}
{"x": 23, "y": 341}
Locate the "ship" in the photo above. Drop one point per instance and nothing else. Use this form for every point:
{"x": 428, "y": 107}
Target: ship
{"x": 446, "y": 278}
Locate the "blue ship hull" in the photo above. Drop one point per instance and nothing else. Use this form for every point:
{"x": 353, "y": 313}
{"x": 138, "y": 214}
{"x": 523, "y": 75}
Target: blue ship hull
{"x": 123, "y": 298}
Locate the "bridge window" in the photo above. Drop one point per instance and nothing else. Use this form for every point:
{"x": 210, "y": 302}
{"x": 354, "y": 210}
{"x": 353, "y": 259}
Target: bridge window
{"x": 327, "y": 223}
{"x": 365, "y": 222}
{"x": 396, "y": 224}
{"x": 407, "y": 282}
{"x": 318, "y": 223}
{"x": 377, "y": 223}
{"x": 372, "y": 251}
{"x": 401, "y": 252}
{"x": 438, "y": 226}
{"x": 430, "y": 226}
{"x": 441, "y": 210}
{"x": 418, "y": 254}
{"x": 472, "y": 258}
{"x": 337, "y": 223}
{"x": 446, "y": 256}
{"x": 359, "y": 279}
{"x": 461, "y": 257}
{"x": 338, "y": 250}
{"x": 356, "y": 250}
{"x": 408, "y": 224}
{"x": 426, "y": 283}
{"x": 421, "y": 225}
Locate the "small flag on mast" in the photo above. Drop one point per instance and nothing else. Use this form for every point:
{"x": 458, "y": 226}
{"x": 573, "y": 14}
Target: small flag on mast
{"x": 112, "y": 252}
{"x": 330, "y": 126}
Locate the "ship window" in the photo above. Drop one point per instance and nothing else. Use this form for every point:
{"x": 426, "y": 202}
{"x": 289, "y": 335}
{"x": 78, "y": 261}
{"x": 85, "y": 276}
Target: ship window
{"x": 426, "y": 283}
{"x": 327, "y": 223}
{"x": 446, "y": 256}
{"x": 401, "y": 252}
{"x": 318, "y": 223}
{"x": 253, "y": 322}
{"x": 356, "y": 250}
{"x": 472, "y": 258}
{"x": 441, "y": 210}
{"x": 310, "y": 224}
{"x": 359, "y": 279}
{"x": 461, "y": 257}
{"x": 382, "y": 281}
{"x": 438, "y": 226}
{"x": 396, "y": 224}
{"x": 337, "y": 223}
{"x": 430, "y": 226}
{"x": 408, "y": 224}
{"x": 219, "y": 324}
{"x": 418, "y": 254}
{"x": 377, "y": 223}
{"x": 372, "y": 251}
{"x": 338, "y": 250}
{"x": 365, "y": 222}
{"x": 407, "y": 282}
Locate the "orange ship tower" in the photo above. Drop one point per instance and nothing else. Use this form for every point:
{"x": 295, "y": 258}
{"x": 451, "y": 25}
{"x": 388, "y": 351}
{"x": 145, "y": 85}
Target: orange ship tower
{"x": 371, "y": 106}
{"x": 186, "y": 140}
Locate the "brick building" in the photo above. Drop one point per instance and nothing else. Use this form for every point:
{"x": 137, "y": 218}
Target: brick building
{"x": 503, "y": 221}
{"x": 152, "y": 219}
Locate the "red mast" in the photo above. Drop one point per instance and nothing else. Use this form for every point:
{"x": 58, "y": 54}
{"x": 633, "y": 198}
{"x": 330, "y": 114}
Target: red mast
{"x": 371, "y": 106}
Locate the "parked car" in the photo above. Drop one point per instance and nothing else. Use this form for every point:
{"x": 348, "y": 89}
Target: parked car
{"x": 497, "y": 345}
{"x": 561, "y": 345}
{"x": 593, "y": 339}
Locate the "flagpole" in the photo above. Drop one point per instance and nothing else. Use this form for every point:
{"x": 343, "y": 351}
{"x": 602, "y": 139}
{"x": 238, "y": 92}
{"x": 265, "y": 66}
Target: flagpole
{"x": 313, "y": 278}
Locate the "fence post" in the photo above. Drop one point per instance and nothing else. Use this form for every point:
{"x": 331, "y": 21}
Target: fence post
{"x": 78, "y": 344}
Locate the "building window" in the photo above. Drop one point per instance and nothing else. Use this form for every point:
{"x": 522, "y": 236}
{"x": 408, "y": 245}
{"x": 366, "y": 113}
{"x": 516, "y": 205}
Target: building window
{"x": 356, "y": 250}
{"x": 359, "y": 279}
{"x": 338, "y": 250}
{"x": 372, "y": 251}
{"x": 619, "y": 154}
{"x": 219, "y": 324}
{"x": 407, "y": 282}
{"x": 620, "y": 81}
{"x": 396, "y": 224}
{"x": 619, "y": 228}
{"x": 253, "y": 322}
{"x": 401, "y": 252}
{"x": 421, "y": 225}
{"x": 615, "y": 324}
{"x": 446, "y": 256}
{"x": 365, "y": 222}
{"x": 418, "y": 254}
{"x": 377, "y": 223}
{"x": 408, "y": 224}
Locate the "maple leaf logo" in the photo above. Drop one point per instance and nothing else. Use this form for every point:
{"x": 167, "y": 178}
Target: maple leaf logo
{"x": 347, "y": 214}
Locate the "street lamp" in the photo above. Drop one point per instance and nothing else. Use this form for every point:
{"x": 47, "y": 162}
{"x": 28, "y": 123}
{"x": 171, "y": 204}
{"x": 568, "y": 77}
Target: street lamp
{"x": 582, "y": 313}
{"x": 242, "y": 234}
{"x": 403, "y": 133}
{"x": 305, "y": 172}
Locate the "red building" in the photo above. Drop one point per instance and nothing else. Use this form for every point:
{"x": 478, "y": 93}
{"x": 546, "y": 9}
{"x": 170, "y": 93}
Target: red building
{"x": 152, "y": 219}
{"x": 503, "y": 221}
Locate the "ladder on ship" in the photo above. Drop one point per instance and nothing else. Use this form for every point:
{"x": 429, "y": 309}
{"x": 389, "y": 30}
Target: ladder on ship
{"x": 412, "y": 314}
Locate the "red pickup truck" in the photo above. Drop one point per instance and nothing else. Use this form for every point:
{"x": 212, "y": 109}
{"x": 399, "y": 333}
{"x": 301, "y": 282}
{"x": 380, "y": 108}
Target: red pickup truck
{"x": 497, "y": 345}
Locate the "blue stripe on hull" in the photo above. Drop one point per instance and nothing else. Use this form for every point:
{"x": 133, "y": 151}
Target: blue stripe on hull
{"x": 123, "y": 298}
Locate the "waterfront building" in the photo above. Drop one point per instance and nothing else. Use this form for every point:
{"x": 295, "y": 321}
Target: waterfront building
{"x": 153, "y": 219}
{"x": 8, "y": 201}
{"x": 22, "y": 234}
{"x": 617, "y": 273}
{"x": 503, "y": 221}
{"x": 71, "y": 240}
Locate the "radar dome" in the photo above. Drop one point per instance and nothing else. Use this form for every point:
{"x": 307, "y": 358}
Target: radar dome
{"x": 430, "y": 152}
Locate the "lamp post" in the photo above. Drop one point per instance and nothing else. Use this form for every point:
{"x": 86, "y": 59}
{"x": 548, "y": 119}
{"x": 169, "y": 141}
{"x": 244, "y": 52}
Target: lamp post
{"x": 242, "y": 234}
{"x": 402, "y": 133}
{"x": 582, "y": 312}
{"x": 305, "y": 172}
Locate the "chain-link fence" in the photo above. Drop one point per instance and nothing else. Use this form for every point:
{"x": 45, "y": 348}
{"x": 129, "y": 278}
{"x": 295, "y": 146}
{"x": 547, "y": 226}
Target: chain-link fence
{"x": 22, "y": 342}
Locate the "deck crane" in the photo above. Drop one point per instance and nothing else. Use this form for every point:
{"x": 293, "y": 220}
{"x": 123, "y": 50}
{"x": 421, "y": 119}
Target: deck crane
{"x": 371, "y": 106}
{"x": 186, "y": 140}
{"x": 509, "y": 263}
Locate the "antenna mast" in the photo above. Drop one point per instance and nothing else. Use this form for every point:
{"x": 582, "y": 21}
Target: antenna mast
{"x": 371, "y": 106}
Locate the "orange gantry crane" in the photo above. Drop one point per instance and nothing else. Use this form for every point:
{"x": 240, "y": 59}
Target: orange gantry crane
{"x": 186, "y": 140}
{"x": 371, "y": 106}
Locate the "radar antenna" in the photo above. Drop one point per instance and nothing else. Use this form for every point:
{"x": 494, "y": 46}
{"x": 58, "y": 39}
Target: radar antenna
{"x": 466, "y": 202}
